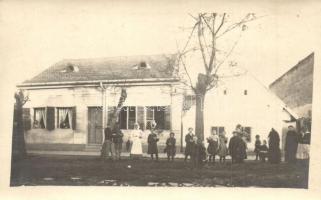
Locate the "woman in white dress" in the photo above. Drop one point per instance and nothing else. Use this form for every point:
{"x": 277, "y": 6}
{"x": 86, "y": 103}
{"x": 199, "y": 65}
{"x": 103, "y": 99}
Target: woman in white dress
{"x": 135, "y": 137}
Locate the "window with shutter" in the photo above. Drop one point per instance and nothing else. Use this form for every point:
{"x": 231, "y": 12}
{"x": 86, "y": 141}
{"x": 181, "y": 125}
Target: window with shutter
{"x": 26, "y": 119}
{"x": 50, "y": 118}
{"x": 161, "y": 115}
{"x": 65, "y": 117}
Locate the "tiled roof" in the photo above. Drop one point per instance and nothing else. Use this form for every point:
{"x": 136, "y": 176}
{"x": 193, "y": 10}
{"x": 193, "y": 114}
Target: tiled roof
{"x": 113, "y": 68}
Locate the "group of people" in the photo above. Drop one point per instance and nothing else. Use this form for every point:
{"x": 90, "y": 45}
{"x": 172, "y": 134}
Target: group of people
{"x": 272, "y": 152}
{"x": 296, "y": 145}
{"x": 112, "y": 145}
{"x": 217, "y": 146}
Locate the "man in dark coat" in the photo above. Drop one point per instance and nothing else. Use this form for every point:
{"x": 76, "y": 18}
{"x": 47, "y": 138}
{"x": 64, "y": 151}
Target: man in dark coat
{"x": 274, "y": 152}
{"x": 117, "y": 137}
{"x": 152, "y": 144}
{"x": 170, "y": 147}
{"x": 108, "y": 146}
{"x": 189, "y": 143}
{"x": 291, "y": 145}
{"x": 237, "y": 148}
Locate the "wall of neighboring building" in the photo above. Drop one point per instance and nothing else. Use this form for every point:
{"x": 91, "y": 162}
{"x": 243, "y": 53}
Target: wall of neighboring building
{"x": 241, "y": 100}
{"x": 84, "y": 97}
{"x": 295, "y": 87}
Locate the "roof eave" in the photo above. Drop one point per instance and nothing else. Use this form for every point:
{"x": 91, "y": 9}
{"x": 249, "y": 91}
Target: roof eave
{"x": 145, "y": 80}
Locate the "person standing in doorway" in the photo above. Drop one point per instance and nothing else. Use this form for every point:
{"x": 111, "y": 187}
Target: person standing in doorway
{"x": 189, "y": 143}
{"x": 117, "y": 140}
{"x": 291, "y": 145}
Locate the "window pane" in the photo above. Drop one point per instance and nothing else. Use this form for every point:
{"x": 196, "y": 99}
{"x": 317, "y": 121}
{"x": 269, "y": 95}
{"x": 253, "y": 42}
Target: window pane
{"x": 221, "y": 130}
{"x": 123, "y": 118}
{"x": 160, "y": 117}
{"x": 64, "y": 118}
{"x": 39, "y": 118}
{"x": 131, "y": 117}
{"x": 149, "y": 113}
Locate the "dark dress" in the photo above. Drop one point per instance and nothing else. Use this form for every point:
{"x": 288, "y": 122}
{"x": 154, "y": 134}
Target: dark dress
{"x": 189, "y": 144}
{"x": 237, "y": 148}
{"x": 263, "y": 152}
{"x": 170, "y": 146}
{"x": 198, "y": 154}
{"x": 257, "y": 146}
{"x": 274, "y": 152}
{"x": 152, "y": 144}
{"x": 291, "y": 146}
{"x": 212, "y": 148}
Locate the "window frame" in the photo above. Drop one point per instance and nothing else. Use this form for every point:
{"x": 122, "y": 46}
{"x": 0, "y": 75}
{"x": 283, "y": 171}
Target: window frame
{"x": 57, "y": 117}
{"x": 249, "y": 137}
{"x": 34, "y": 117}
{"x": 217, "y": 128}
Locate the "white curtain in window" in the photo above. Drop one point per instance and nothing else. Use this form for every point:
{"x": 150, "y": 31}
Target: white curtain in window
{"x": 38, "y": 115}
{"x": 44, "y": 116}
{"x": 62, "y": 115}
{"x": 69, "y": 111}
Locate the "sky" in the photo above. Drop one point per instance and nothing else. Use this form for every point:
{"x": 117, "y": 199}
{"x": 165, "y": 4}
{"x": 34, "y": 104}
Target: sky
{"x": 37, "y": 34}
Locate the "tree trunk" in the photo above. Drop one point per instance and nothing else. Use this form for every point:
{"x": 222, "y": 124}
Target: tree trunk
{"x": 18, "y": 140}
{"x": 199, "y": 118}
{"x": 200, "y": 92}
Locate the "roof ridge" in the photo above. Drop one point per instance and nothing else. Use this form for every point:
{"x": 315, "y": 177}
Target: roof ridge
{"x": 305, "y": 59}
{"x": 119, "y": 56}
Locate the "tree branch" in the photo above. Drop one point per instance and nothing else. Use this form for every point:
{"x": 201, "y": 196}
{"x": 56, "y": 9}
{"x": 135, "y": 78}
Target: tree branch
{"x": 201, "y": 44}
{"x": 221, "y": 24}
{"x": 228, "y": 55}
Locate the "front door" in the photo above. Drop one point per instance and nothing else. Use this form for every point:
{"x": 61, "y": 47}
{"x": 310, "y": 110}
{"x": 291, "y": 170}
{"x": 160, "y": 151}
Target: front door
{"x": 95, "y": 125}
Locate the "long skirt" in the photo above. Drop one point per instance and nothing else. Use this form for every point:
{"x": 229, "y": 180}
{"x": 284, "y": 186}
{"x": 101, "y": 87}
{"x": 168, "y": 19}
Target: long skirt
{"x": 303, "y": 151}
{"x": 136, "y": 149}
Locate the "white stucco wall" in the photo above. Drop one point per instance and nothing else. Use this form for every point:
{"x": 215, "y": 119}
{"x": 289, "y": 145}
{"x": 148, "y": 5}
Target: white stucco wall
{"x": 259, "y": 109}
{"x": 84, "y": 97}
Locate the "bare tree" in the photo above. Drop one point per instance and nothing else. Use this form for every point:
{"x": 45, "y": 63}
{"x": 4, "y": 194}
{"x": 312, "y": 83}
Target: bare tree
{"x": 207, "y": 31}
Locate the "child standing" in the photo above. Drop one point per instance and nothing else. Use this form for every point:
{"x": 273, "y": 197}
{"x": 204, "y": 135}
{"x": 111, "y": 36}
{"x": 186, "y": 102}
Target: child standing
{"x": 199, "y": 153}
{"x": 263, "y": 153}
{"x": 152, "y": 144}
{"x": 222, "y": 149}
{"x": 171, "y": 147}
{"x": 212, "y": 146}
{"x": 189, "y": 143}
{"x": 257, "y": 147}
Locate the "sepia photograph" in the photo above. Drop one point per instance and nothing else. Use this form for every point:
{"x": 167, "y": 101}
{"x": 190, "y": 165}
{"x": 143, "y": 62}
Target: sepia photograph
{"x": 109, "y": 95}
